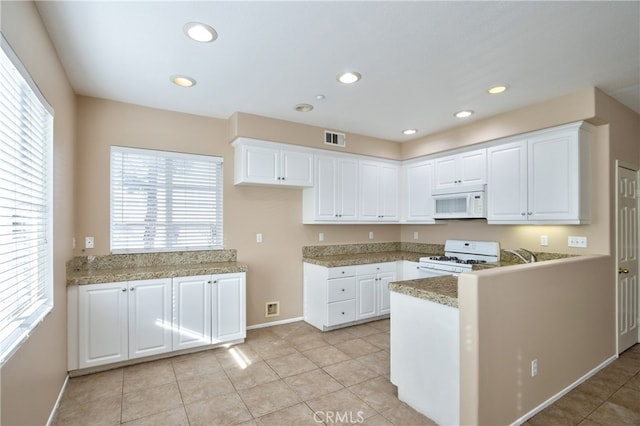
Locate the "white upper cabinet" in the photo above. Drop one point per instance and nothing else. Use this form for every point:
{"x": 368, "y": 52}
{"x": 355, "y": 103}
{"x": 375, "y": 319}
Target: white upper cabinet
{"x": 541, "y": 178}
{"x": 466, "y": 168}
{"x": 417, "y": 184}
{"x": 379, "y": 189}
{"x": 334, "y": 198}
{"x": 268, "y": 163}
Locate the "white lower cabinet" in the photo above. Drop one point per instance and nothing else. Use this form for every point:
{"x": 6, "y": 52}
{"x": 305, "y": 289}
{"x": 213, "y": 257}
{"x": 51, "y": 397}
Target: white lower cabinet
{"x": 208, "y": 309}
{"x": 124, "y": 320}
{"x": 373, "y": 289}
{"x": 339, "y": 296}
{"x": 127, "y": 320}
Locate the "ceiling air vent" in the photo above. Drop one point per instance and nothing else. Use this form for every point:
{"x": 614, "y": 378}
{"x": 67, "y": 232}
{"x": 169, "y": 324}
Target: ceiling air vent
{"x": 334, "y": 138}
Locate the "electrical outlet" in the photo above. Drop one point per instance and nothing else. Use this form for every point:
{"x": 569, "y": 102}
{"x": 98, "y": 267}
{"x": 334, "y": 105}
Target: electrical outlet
{"x": 88, "y": 242}
{"x": 534, "y": 368}
{"x": 321, "y": 236}
{"x": 544, "y": 240}
{"x": 580, "y": 242}
{"x": 371, "y": 235}
{"x": 415, "y": 235}
{"x": 258, "y": 238}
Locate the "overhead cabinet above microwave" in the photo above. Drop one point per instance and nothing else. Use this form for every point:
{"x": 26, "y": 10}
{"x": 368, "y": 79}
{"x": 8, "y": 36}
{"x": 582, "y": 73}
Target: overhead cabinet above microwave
{"x": 465, "y": 168}
{"x": 541, "y": 178}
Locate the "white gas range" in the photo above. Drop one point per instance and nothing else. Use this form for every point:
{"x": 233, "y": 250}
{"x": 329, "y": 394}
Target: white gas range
{"x": 459, "y": 256}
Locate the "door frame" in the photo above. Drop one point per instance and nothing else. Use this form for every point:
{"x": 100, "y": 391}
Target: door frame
{"x": 622, "y": 164}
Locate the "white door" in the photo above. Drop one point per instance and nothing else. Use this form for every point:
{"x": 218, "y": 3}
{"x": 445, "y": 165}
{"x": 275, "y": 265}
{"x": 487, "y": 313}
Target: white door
{"x": 389, "y": 200}
{"x": 384, "y": 303}
{"x": 191, "y": 311}
{"x": 366, "y": 296}
{"x": 325, "y": 189}
{"x": 347, "y": 192}
{"x": 102, "y": 324}
{"x": 262, "y": 165}
{"x": 627, "y": 255}
{"x": 507, "y": 182}
{"x": 418, "y": 182}
{"x": 369, "y": 174}
{"x": 150, "y": 321}
{"x": 473, "y": 167}
{"x": 446, "y": 172}
{"x": 229, "y": 313}
{"x": 297, "y": 168}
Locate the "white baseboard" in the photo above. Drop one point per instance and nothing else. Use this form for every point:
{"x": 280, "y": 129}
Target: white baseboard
{"x": 563, "y": 392}
{"x": 271, "y": 324}
{"x": 52, "y": 416}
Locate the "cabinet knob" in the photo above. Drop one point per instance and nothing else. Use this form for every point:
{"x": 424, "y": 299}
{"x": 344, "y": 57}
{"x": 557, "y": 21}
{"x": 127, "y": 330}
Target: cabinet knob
{"x": 523, "y": 214}
{"x": 530, "y": 213}
{"x": 343, "y": 313}
{"x": 623, "y": 271}
{"x": 343, "y": 290}
{"x": 209, "y": 282}
{"x": 124, "y": 290}
{"x": 132, "y": 288}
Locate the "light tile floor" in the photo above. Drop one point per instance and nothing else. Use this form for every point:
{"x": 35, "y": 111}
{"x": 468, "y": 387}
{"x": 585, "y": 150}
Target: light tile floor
{"x": 295, "y": 375}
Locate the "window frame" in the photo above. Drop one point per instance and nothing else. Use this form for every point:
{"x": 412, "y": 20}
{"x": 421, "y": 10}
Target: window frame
{"x": 171, "y": 236}
{"x": 15, "y": 331}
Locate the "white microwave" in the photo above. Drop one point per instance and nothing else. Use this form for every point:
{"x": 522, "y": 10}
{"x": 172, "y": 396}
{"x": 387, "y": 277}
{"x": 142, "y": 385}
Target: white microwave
{"x": 467, "y": 202}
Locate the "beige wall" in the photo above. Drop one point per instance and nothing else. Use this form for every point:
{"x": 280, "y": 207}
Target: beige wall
{"x": 33, "y": 377}
{"x": 275, "y": 266}
{"x": 561, "y": 313}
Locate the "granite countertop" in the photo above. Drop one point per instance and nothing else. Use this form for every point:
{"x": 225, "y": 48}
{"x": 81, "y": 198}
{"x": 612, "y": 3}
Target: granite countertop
{"x": 442, "y": 290}
{"x": 83, "y": 270}
{"x": 338, "y": 260}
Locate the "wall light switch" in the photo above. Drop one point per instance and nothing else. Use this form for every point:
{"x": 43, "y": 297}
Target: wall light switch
{"x": 258, "y": 237}
{"x": 415, "y": 235}
{"x": 371, "y": 235}
{"x": 321, "y": 236}
{"x": 544, "y": 240}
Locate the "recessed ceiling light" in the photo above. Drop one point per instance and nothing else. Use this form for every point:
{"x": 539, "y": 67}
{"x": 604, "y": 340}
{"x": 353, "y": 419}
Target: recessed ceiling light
{"x": 349, "y": 77}
{"x": 409, "y": 132}
{"x": 463, "y": 114}
{"x": 183, "y": 81}
{"x": 498, "y": 89}
{"x": 200, "y": 32}
{"x": 303, "y": 107}
{"x": 320, "y": 97}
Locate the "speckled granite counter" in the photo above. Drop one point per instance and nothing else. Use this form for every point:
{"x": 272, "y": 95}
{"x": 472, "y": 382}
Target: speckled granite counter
{"x": 361, "y": 254}
{"x": 83, "y": 270}
{"x": 442, "y": 290}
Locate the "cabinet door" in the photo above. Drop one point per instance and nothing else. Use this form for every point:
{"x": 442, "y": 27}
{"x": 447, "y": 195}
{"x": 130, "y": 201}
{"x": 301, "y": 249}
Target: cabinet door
{"x": 325, "y": 189}
{"x": 418, "y": 201}
{"x": 507, "y": 183}
{"x": 554, "y": 186}
{"x": 229, "y": 314}
{"x": 384, "y": 302}
{"x": 473, "y": 167}
{"x": 389, "y": 200}
{"x": 261, "y": 165}
{"x": 150, "y": 321}
{"x": 296, "y": 168}
{"x": 102, "y": 328}
{"x": 446, "y": 175}
{"x": 366, "y": 297}
{"x": 347, "y": 192}
{"x": 369, "y": 177}
{"x": 191, "y": 311}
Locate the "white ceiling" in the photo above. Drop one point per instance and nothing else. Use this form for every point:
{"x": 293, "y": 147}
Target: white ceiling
{"x": 420, "y": 61}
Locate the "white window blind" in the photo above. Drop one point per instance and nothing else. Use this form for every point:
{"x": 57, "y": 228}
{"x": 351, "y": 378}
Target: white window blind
{"x": 26, "y": 278}
{"x": 165, "y": 201}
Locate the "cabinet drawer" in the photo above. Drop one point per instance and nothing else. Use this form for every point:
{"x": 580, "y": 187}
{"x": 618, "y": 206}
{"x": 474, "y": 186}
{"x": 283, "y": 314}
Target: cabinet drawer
{"x": 343, "y": 271}
{"x": 376, "y": 268}
{"x": 341, "y": 312}
{"x": 341, "y": 289}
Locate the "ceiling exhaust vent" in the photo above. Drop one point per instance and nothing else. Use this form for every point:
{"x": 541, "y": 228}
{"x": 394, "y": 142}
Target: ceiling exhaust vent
{"x": 334, "y": 138}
